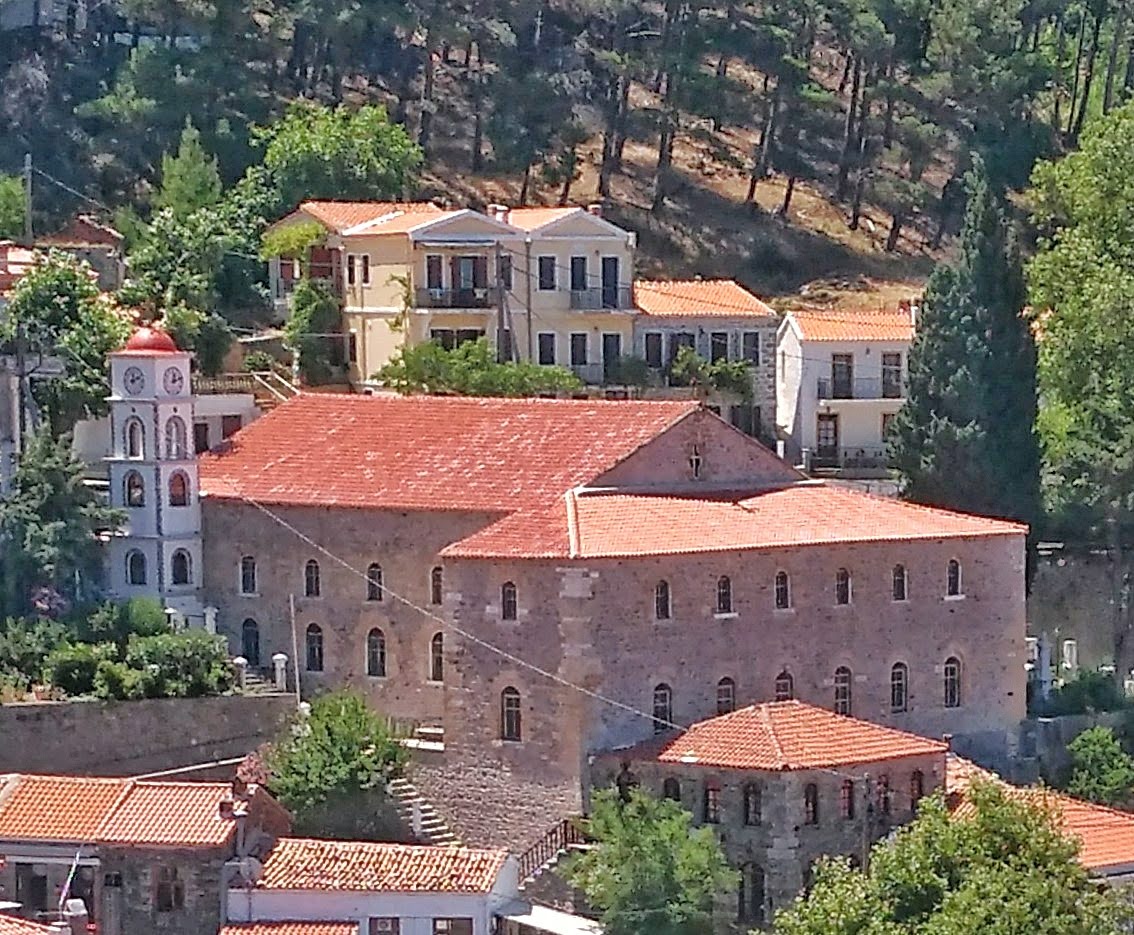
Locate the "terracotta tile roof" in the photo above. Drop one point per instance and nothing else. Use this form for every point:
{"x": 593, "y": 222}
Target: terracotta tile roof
{"x": 833, "y": 325}
{"x": 10, "y": 925}
{"x": 127, "y": 811}
{"x": 81, "y": 231}
{"x": 56, "y": 808}
{"x": 308, "y": 864}
{"x": 1105, "y": 835}
{"x": 530, "y": 219}
{"x": 289, "y": 928}
{"x": 340, "y": 215}
{"x": 430, "y": 452}
{"x": 785, "y": 735}
{"x": 597, "y": 524}
{"x": 698, "y": 297}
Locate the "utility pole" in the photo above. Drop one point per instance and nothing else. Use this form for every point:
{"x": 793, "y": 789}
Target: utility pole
{"x": 867, "y": 816}
{"x": 502, "y": 352}
{"x": 28, "y": 199}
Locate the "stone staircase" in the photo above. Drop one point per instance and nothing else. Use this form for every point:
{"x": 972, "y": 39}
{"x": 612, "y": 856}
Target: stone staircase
{"x": 419, "y": 816}
{"x": 559, "y": 841}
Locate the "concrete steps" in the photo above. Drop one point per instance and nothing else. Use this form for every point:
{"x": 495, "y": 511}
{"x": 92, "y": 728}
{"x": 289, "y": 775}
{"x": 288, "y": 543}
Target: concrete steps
{"x": 418, "y": 815}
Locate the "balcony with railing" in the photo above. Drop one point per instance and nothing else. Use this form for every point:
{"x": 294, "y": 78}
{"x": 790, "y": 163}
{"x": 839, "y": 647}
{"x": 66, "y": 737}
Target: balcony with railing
{"x": 602, "y": 297}
{"x": 861, "y": 387}
{"x": 472, "y": 297}
{"x": 855, "y": 457}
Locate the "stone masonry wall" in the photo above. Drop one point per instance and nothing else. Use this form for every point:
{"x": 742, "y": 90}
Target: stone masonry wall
{"x": 132, "y": 737}
{"x": 135, "y": 904}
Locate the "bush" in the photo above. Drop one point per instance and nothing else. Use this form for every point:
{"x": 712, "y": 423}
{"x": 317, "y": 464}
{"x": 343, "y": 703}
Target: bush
{"x": 110, "y": 622}
{"x": 24, "y": 645}
{"x": 1086, "y": 693}
{"x": 180, "y": 665}
{"x": 115, "y": 681}
{"x": 259, "y": 361}
{"x": 632, "y": 371}
{"x": 72, "y": 666}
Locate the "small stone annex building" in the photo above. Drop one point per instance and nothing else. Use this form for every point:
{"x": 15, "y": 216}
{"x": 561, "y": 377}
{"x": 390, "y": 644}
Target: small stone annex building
{"x": 547, "y": 579}
{"x": 784, "y": 783}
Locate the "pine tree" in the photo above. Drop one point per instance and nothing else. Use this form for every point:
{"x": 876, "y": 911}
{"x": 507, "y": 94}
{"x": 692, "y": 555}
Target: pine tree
{"x": 965, "y": 438}
{"x": 189, "y": 180}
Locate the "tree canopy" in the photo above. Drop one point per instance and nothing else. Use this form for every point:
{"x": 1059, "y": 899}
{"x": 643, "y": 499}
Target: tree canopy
{"x": 1101, "y": 771}
{"x": 12, "y": 210}
{"x": 1002, "y": 870}
{"x": 652, "y": 870}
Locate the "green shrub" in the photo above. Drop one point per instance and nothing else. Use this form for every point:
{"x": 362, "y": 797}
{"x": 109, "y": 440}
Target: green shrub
{"x": 1089, "y": 691}
{"x": 180, "y": 665}
{"x": 116, "y": 623}
{"x": 71, "y": 667}
{"x": 115, "y": 681}
{"x": 259, "y": 361}
{"x": 25, "y": 644}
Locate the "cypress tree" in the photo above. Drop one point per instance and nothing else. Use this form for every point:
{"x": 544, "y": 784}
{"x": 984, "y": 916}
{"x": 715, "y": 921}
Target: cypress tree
{"x": 965, "y": 438}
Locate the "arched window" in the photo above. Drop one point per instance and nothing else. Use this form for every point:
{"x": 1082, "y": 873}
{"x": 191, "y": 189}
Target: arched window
{"x": 661, "y": 601}
{"x": 711, "y": 804}
{"x": 917, "y": 787}
{"x": 247, "y": 575}
{"x": 374, "y": 589}
{"x": 898, "y": 590}
{"x": 175, "y": 444}
{"x": 724, "y": 595}
{"x": 811, "y": 804}
{"x": 663, "y": 707}
{"x": 843, "y": 680}
{"x": 783, "y": 590}
{"x": 178, "y": 489}
{"x": 842, "y": 586}
{"x": 508, "y": 601}
{"x": 134, "y": 489}
{"x": 135, "y": 435}
{"x": 846, "y": 799}
{"x": 511, "y": 727}
{"x": 311, "y": 583}
{"x": 953, "y": 578}
{"x": 752, "y": 804}
{"x": 750, "y": 894}
{"x": 181, "y": 567}
{"x": 882, "y": 794}
{"x": 726, "y": 696}
{"x": 376, "y": 653}
{"x": 314, "y": 648}
{"x": 436, "y": 580}
{"x": 250, "y": 642}
{"x": 437, "y": 658}
{"x": 899, "y": 687}
{"x": 671, "y": 788}
{"x": 135, "y": 567}
{"x": 785, "y": 686}
{"x": 952, "y": 674}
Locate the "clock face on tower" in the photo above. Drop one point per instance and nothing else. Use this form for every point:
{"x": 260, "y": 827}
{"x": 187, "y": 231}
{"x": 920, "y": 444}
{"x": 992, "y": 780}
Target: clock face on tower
{"x": 173, "y": 380}
{"x": 134, "y": 380}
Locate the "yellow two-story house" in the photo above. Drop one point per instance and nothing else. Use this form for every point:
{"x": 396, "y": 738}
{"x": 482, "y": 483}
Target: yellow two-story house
{"x": 549, "y": 285}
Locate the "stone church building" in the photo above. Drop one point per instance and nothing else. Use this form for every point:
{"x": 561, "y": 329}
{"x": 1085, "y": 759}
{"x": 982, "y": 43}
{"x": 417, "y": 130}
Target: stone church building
{"x": 551, "y": 579}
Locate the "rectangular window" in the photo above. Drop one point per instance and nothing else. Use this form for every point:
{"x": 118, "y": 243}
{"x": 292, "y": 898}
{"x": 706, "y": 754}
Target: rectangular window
{"x": 31, "y": 888}
{"x": 452, "y": 927}
{"x": 546, "y": 348}
{"x": 352, "y": 347}
{"x": 388, "y": 925}
{"x": 679, "y": 340}
{"x": 711, "y": 814}
{"x": 579, "y": 349}
{"x": 654, "y": 349}
{"x": 230, "y": 425}
{"x": 547, "y": 274}
{"x": 506, "y": 272}
{"x": 351, "y": 263}
{"x": 750, "y": 347}
{"x": 433, "y": 271}
{"x": 169, "y": 895}
{"x": 578, "y": 273}
{"x": 200, "y": 437}
{"x": 887, "y": 421}
{"x": 746, "y": 418}
{"x": 842, "y": 376}
{"x": 892, "y": 376}
{"x": 465, "y": 335}
{"x": 505, "y": 338}
{"x": 718, "y": 346}
{"x": 365, "y": 260}
{"x": 446, "y": 337}
{"x": 827, "y": 435}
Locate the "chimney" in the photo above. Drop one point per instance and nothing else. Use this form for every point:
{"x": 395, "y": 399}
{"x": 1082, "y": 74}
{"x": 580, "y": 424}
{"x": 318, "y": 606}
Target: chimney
{"x": 74, "y": 917}
{"x": 595, "y": 208}
{"x": 226, "y": 809}
{"x": 239, "y": 787}
{"x": 498, "y": 212}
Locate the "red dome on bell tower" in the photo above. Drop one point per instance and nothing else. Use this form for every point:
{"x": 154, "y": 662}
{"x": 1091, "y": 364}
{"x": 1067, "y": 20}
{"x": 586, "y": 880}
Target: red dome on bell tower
{"x": 150, "y": 340}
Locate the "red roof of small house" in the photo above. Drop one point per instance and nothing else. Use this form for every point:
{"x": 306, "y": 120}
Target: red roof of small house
{"x": 83, "y": 231}
{"x": 150, "y": 340}
{"x": 835, "y": 325}
{"x": 10, "y": 925}
{"x": 309, "y": 864}
{"x": 339, "y": 216}
{"x": 698, "y": 297}
{"x": 430, "y": 452}
{"x": 84, "y": 809}
{"x": 612, "y": 524}
{"x": 289, "y": 928}
{"x": 782, "y": 736}
{"x": 1105, "y": 835}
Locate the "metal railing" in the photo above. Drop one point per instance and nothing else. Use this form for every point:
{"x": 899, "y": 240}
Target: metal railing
{"x": 602, "y": 297}
{"x": 481, "y": 297}
{"x": 860, "y": 456}
{"x": 557, "y": 839}
{"x": 861, "y": 388}
{"x": 254, "y": 381}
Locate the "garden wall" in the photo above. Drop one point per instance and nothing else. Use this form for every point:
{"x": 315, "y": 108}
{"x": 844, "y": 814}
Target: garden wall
{"x": 132, "y": 737}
